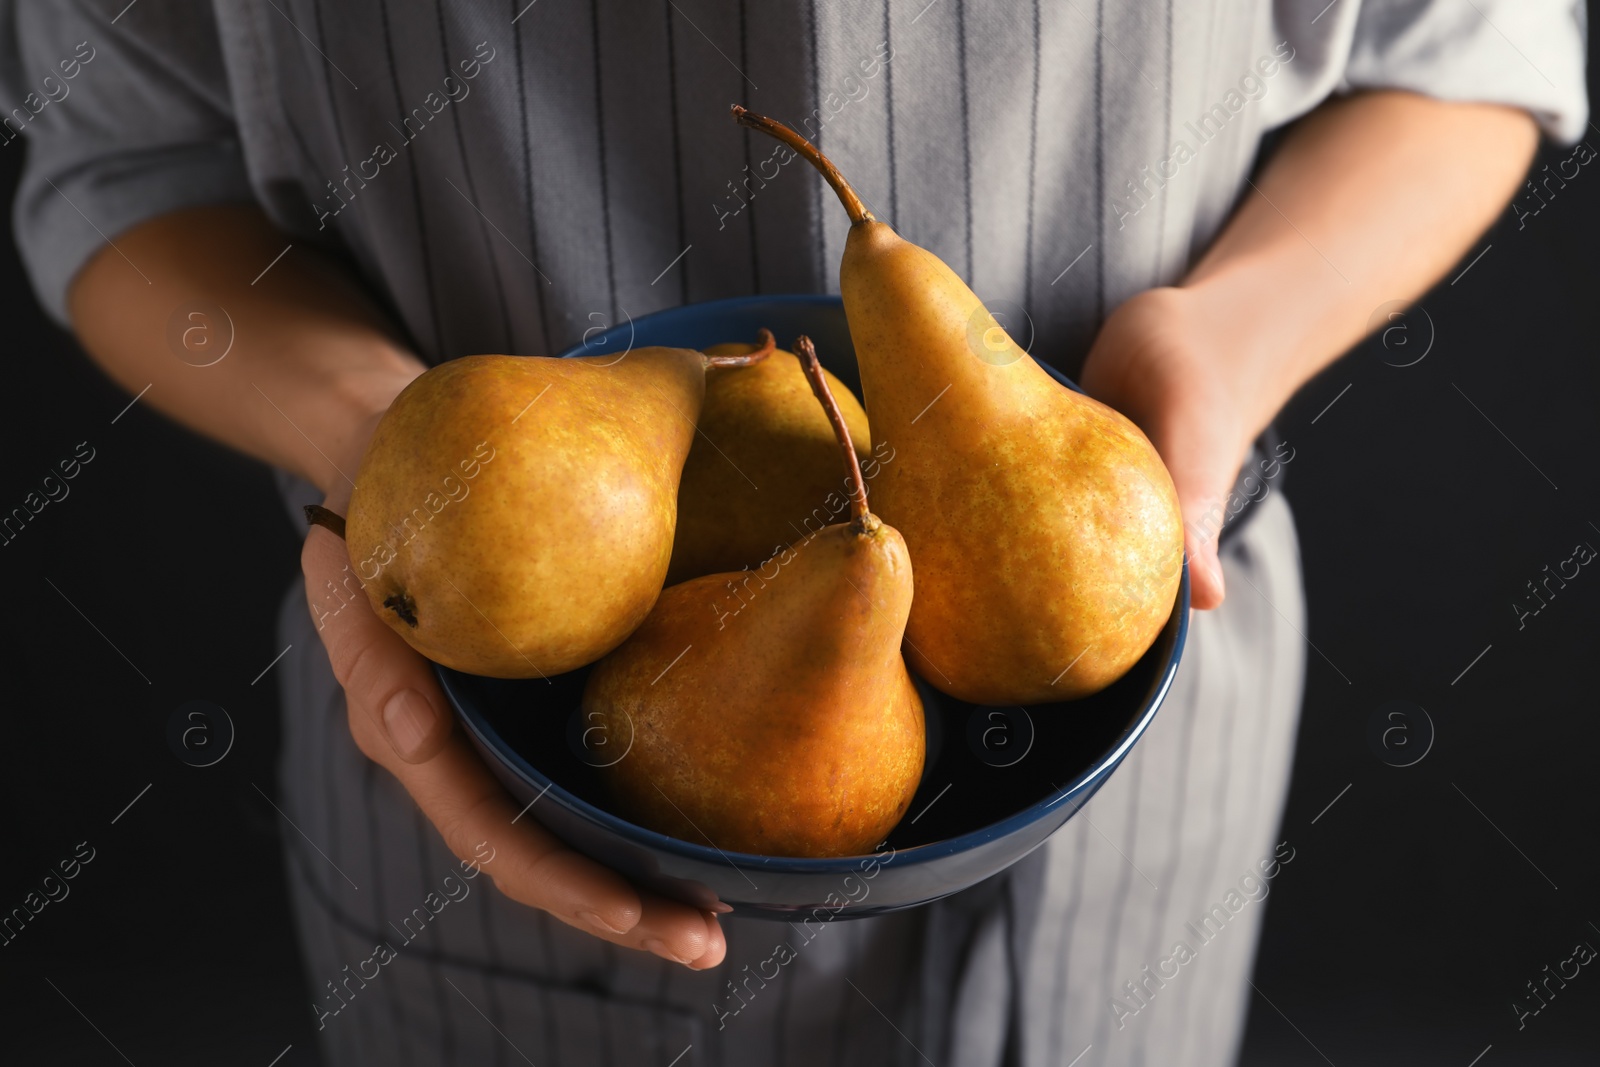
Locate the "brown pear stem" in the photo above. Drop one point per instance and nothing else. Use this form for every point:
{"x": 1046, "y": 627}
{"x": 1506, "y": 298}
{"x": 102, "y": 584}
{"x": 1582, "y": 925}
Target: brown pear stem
{"x": 860, "y": 517}
{"x": 317, "y": 515}
{"x": 813, "y": 155}
{"x": 766, "y": 345}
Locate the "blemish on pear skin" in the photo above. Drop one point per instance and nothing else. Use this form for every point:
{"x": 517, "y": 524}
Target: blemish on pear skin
{"x": 404, "y": 607}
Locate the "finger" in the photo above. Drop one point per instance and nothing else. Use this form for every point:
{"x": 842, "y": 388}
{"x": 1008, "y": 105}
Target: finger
{"x": 1206, "y": 500}
{"x": 716, "y": 947}
{"x": 383, "y": 678}
{"x": 1206, "y": 585}
{"x": 458, "y": 794}
{"x": 672, "y": 931}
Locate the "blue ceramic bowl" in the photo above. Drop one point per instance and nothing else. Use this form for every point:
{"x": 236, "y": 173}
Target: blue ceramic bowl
{"x": 999, "y": 781}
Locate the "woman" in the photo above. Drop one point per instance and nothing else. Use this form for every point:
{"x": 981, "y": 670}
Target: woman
{"x": 365, "y": 190}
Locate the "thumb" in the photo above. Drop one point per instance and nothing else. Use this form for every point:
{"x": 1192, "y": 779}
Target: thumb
{"x": 1204, "y": 478}
{"x": 1206, "y": 585}
{"x": 397, "y": 709}
{"x": 1203, "y": 498}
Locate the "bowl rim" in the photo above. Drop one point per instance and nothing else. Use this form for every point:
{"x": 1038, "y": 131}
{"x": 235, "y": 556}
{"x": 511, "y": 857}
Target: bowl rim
{"x": 605, "y": 342}
{"x": 487, "y": 736}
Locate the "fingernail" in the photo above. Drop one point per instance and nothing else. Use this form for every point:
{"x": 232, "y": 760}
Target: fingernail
{"x": 409, "y": 718}
{"x": 598, "y": 923}
{"x": 660, "y": 949}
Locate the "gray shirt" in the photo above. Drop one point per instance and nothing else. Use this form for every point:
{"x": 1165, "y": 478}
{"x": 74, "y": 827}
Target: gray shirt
{"x": 508, "y": 175}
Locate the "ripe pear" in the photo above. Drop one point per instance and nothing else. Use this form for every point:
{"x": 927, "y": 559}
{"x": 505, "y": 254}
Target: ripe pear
{"x": 764, "y": 469}
{"x": 1044, "y": 526}
{"x": 513, "y": 515}
{"x": 778, "y": 719}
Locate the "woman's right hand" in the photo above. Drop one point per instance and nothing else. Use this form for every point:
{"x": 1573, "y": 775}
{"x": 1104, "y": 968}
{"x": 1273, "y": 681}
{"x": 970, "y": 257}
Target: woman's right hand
{"x": 400, "y": 719}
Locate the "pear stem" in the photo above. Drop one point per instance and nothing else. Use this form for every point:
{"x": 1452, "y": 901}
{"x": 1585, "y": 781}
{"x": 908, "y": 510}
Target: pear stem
{"x": 813, "y": 155}
{"x": 766, "y": 344}
{"x": 860, "y": 518}
{"x": 317, "y": 515}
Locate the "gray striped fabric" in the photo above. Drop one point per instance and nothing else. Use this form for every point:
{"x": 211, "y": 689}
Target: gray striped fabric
{"x": 508, "y": 175}
{"x": 505, "y": 185}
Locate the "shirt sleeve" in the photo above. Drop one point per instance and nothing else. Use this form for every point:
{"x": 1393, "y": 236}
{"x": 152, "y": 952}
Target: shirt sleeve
{"x": 1523, "y": 53}
{"x": 124, "y": 118}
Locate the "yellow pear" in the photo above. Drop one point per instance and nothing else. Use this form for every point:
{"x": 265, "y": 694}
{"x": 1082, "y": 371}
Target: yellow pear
{"x": 1043, "y": 524}
{"x": 779, "y": 719}
{"x": 764, "y": 469}
{"x": 513, "y": 515}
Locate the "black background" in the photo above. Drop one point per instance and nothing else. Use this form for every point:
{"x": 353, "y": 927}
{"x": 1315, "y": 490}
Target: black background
{"x": 1416, "y": 909}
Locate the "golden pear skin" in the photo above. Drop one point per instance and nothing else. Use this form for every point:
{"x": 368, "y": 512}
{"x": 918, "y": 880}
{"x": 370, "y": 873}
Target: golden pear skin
{"x": 764, "y": 470}
{"x": 778, "y": 717}
{"x": 514, "y": 515}
{"x": 1045, "y": 528}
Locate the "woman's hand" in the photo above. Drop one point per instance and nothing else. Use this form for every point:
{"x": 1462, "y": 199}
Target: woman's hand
{"x": 1160, "y": 361}
{"x": 1369, "y": 199}
{"x": 310, "y": 366}
{"x": 400, "y": 719}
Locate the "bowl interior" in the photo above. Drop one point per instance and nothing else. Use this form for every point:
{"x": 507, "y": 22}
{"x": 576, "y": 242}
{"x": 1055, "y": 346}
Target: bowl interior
{"x": 989, "y": 769}
{"x": 986, "y": 765}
